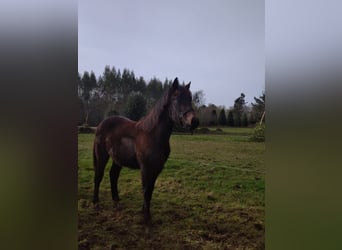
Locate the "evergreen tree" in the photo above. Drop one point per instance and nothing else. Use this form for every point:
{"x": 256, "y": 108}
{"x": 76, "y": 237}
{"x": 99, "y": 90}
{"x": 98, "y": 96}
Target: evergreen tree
{"x": 167, "y": 83}
{"x": 237, "y": 119}
{"x": 252, "y": 119}
{"x": 109, "y": 85}
{"x": 136, "y": 107}
{"x": 88, "y": 84}
{"x": 230, "y": 119}
{"x": 79, "y": 85}
{"x": 222, "y": 120}
{"x": 240, "y": 103}
{"x": 213, "y": 118}
{"x": 140, "y": 86}
{"x": 198, "y": 98}
{"x": 81, "y": 113}
{"x": 127, "y": 84}
{"x": 110, "y": 111}
{"x": 258, "y": 108}
{"x": 244, "y": 120}
{"x": 154, "y": 91}
{"x": 239, "y": 107}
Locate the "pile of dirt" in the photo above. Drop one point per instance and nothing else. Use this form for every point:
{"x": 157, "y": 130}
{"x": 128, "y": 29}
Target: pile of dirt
{"x": 205, "y": 130}
{"x": 202, "y": 131}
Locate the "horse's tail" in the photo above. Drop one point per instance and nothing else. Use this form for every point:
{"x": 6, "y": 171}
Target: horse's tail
{"x": 100, "y": 158}
{"x": 97, "y": 150}
{"x": 94, "y": 154}
{"x": 100, "y": 154}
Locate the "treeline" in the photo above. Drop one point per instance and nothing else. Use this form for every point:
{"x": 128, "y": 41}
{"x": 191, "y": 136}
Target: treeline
{"x": 116, "y": 93}
{"x": 122, "y": 93}
{"x": 238, "y": 115}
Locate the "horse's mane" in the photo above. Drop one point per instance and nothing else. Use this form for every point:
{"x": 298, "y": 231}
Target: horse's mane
{"x": 148, "y": 122}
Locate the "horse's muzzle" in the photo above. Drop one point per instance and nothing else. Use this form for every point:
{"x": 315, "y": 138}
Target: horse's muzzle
{"x": 187, "y": 119}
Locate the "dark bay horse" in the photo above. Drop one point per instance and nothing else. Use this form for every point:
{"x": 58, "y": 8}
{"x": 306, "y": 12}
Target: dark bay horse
{"x": 143, "y": 144}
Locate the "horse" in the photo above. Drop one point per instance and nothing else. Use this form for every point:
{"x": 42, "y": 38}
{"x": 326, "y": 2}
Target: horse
{"x": 142, "y": 144}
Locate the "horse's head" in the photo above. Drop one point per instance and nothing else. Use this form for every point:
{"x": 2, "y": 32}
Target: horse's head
{"x": 181, "y": 110}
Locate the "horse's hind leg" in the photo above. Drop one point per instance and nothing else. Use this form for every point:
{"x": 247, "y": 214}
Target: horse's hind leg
{"x": 114, "y": 175}
{"x": 100, "y": 161}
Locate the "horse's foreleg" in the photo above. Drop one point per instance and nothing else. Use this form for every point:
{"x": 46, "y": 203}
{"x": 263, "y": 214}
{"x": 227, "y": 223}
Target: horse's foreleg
{"x": 148, "y": 181}
{"x": 114, "y": 175}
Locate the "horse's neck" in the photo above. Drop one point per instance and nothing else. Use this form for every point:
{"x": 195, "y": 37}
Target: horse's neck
{"x": 164, "y": 128}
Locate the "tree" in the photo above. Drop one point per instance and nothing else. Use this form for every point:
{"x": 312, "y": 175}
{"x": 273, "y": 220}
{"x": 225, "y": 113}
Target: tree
{"x": 198, "y": 98}
{"x": 79, "y": 85}
{"x": 81, "y": 113}
{"x": 87, "y": 84}
{"x": 240, "y": 103}
{"x": 239, "y": 107}
{"x": 140, "y": 85}
{"x": 230, "y": 119}
{"x": 110, "y": 84}
{"x": 167, "y": 83}
{"x": 136, "y": 106}
{"x": 97, "y": 106}
{"x": 213, "y": 118}
{"x": 128, "y": 83}
{"x": 237, "y": 119}
{"x": 110, "y": 110}
{"x": 154, "y": 91}
{"x": 258, "y": 108}
{"x": 244, "y": 120}
{"x": 222, "y": 120}
{"x": 252, "y": 119}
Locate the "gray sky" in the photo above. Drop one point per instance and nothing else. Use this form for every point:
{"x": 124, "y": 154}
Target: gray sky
{"x": 218, "y": 45}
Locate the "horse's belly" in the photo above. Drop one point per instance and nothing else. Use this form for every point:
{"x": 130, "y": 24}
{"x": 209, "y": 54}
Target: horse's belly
{"x": 124, "y": 153}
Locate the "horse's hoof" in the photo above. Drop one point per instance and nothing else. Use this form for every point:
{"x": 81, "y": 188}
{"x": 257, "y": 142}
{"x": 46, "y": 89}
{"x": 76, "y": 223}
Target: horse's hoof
{"x": 148, "y": 227}
{"x": 96, "y": 205}
{"x": 147, "y": 230}
{"x": 148, "y": 223}
{"x": 116, "y": 205}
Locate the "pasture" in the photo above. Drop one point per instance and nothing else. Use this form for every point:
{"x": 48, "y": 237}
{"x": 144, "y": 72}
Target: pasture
{"x": 210, "y": 195}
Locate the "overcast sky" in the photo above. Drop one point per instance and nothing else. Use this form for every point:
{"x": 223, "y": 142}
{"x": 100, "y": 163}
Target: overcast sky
{"x": 218, "y": 45}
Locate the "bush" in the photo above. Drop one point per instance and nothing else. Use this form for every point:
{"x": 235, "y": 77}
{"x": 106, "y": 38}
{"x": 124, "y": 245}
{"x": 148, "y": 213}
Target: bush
{"x": 180, "y": 129}
{"x": 258, "y": 133}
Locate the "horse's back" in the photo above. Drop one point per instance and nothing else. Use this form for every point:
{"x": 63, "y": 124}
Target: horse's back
{"x": 117, "y": 134}
{"x": 112, "y": 123}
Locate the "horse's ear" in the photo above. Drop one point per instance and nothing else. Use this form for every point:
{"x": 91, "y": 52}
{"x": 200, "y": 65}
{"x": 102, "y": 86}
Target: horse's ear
{"x": 175, "y": 84}
{"x": 188, "y": 85}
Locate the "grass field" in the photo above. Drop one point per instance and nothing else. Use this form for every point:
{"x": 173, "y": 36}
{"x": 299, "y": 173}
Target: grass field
{"x": 210, "y": 195}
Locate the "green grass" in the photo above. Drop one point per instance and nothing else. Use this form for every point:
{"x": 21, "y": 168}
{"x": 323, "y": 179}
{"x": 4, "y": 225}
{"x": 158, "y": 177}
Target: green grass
{"x": 210, "y": 195}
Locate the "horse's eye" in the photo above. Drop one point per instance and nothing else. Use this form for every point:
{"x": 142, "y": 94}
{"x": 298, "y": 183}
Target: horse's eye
{"x": 175, "y": 96}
